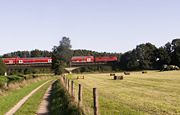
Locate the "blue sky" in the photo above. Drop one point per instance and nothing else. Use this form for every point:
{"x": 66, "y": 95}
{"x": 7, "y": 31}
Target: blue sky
{"x": 100, "y": 25}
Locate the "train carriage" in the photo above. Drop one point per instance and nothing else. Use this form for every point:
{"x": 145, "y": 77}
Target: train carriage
{"x": 106, "y": 59}
{"x": 82, "y": 59}
{"x": 39, "y": 60}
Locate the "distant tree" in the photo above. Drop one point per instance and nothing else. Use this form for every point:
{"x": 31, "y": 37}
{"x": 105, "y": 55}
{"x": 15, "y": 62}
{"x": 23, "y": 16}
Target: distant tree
{"x": 27, "y": 54}
{"x": 163, "y": 57}
{"x": 46, "y": 53}
{"x": 142, "y": 57}
{"x": 124, "y": 60}
{"x": 176, "y": 52}
{"x": 168, "y": 48}
{"x": 64, "y": 50}
{"x": 2, "y": 67}
{"x": 61, "y": 55}
{"x": 36, "y": 53}
{"x": 133, "y": 62}
{"x": 17, "y": 54}
{"x": 145, "y": 53}
{"x": 6, "y": 56}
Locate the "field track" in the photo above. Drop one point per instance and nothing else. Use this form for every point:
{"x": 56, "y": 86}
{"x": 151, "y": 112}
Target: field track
{"x": 43, "y": 107}
{"x": 22, "y": 101}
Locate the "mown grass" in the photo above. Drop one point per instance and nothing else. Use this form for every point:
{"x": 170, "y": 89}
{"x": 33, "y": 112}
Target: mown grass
{"x": 155, "y": 93}
{"x": 32, "y": 104}
{"x": 61, "y": 101}
{"x": 10, "y": 98}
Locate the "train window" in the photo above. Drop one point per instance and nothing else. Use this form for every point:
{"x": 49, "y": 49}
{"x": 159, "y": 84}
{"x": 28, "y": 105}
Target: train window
{"x": 20, "y": 61}
{"x": 49, "y": 60}
{"x": 10, "y": 61}
{"x": 88, "y": 59}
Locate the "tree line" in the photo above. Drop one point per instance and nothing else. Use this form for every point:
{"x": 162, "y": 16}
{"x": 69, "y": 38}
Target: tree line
{"x": 148, "y": 56}
{"x": 28, "y": 54}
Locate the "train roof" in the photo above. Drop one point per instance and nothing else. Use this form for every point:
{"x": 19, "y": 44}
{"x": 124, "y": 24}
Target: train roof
{"x": 81, "y": 56}
{"x": 29, "y": 58}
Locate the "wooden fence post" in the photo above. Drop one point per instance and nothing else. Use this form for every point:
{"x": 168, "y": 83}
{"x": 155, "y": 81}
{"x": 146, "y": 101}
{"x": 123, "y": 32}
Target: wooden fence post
{"x": 95, "y": 98}
{"x": 64, "y": 80}
{"x": 68, "y": 85}
{"x": 80, "y": 95}
{"x": 72, "y": 89}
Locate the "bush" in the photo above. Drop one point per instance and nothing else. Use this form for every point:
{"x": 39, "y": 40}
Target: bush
{"x": 101, "y": 68}
{"x": 2, "y": 67}
{"x": 62, "y": 101}
{"x": 3, "y": 80}
{"x": 30, "y": 71}
{"x": 13, "y": 78}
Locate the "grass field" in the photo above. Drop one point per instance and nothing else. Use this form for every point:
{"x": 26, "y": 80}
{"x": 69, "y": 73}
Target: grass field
{"x": 155, "y": 93}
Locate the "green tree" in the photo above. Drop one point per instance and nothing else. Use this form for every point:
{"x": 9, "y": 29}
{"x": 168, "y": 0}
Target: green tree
{"x": 2, "y": 67}
{"x": 163, "y": 57}
{"x": 27, "y": 54}
{"x": 133, "y": 62}
{"x": 142, "y": 57}
{"x": 127, "y": 59}
{"x": 36, "y": 53}
{"x": 61, "y": 55}
{"x": 145, "y": 53}
{"x": 176, "y": 52}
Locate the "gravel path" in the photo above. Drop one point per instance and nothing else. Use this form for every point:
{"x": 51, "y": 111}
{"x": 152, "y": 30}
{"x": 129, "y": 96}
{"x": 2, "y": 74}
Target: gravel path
{"x": 43, "y": 108}
{"x": 22, "y": 101}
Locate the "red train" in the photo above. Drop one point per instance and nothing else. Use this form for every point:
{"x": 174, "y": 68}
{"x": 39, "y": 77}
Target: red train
{"x": 91, "y": 59}
{"x": 40, "y": 60}
{"x": 48, "y": 60}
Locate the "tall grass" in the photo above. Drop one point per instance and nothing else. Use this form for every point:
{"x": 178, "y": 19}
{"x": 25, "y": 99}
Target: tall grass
{"x": 61, "y": 101}
{"x": 3, "y": 80}
{"x": 16, "y": 81}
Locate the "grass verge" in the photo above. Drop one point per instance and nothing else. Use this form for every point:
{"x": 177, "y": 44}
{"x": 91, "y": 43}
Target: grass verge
{"x": 12, "y": 97}
{"x": 61, "y": 101}
{"x": 32, "y": 104}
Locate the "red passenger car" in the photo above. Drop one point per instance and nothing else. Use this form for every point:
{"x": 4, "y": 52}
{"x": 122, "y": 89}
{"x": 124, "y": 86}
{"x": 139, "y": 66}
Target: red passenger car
{"x": 106, "y": 59}
{"x": 38, "y": 60}
{"x": 81, "y": 59}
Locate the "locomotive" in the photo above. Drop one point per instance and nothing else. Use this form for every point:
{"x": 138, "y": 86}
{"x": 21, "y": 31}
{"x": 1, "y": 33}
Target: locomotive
{"x": 39, "y": 60}
{"x": 92, "y": 59}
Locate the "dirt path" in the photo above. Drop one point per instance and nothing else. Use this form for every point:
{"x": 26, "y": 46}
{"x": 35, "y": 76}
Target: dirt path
{"x": 22, "y": 101}
{"x": 43, "y": 108}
